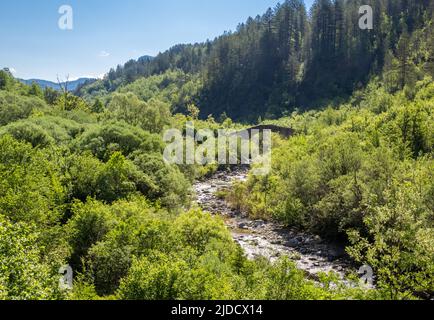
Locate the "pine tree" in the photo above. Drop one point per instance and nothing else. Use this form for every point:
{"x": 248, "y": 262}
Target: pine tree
{"x": 403, "y": 56}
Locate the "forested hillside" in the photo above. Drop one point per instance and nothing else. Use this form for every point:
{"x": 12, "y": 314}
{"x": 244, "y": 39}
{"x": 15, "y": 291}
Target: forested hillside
{"x": 83, "y": 181}
{"x": 289, "y": 58}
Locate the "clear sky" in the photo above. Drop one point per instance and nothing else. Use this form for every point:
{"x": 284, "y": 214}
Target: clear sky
{"x": 108, "y": 32}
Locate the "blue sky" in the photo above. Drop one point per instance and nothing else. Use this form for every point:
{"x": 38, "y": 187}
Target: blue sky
{"x": 108, "y": 32}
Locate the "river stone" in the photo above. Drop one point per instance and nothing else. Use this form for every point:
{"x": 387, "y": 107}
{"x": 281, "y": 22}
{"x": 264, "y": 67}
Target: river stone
{"x": 258, "y": 223}
{"x": 292, "y": 243}
{"x": 255, "y": 243}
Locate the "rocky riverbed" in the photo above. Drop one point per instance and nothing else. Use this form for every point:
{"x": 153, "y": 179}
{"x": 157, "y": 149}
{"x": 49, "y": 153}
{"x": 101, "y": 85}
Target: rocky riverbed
{"x": 269, "y": 239}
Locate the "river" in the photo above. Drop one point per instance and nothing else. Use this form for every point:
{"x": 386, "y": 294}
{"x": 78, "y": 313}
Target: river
{"x": 269, "y": 239}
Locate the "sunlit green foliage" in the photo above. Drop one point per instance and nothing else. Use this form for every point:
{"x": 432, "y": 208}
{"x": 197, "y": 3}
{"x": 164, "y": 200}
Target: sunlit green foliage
{"x": 365, "y": 170}
{"x": 105, "y": 139}
{"x": 24, "y": 275}
{"x": 14, "y": 106}
{"x": 30, "y": 186}
{"x": 152, "y": 115}
{"x": 83, "y": 181}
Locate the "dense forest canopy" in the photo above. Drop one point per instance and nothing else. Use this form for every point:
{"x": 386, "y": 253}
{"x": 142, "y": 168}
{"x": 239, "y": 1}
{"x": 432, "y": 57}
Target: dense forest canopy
{"x": 83, "y": 181}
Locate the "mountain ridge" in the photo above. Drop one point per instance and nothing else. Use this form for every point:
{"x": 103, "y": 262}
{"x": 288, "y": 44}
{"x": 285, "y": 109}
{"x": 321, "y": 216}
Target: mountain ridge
{"x": 72, "y": 85}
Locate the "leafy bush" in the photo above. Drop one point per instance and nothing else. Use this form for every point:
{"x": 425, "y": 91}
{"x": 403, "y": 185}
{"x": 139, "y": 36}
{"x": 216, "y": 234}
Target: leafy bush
{"x": 23, "y": 273}
{"x": 151, "y": 116}
{"x": 30, "y": 187}
{"x": 14, "y": 107}
{"x": 165, "y": 183}
{"x": 103, "y": 140}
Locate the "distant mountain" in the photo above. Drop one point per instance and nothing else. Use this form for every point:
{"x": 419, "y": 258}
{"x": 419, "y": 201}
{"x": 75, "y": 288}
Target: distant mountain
{"x": 72, "y": 85}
